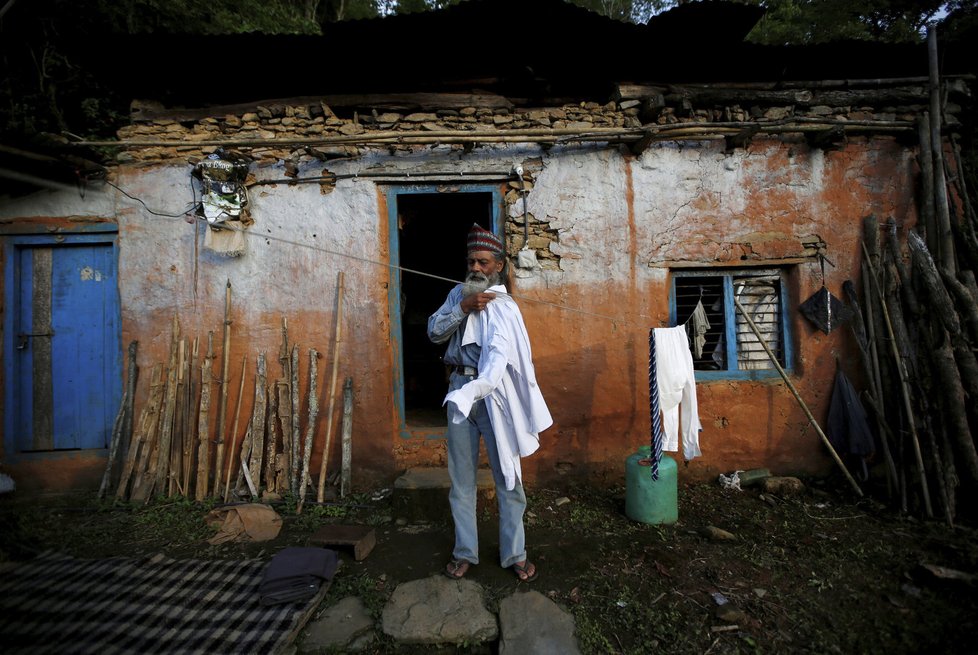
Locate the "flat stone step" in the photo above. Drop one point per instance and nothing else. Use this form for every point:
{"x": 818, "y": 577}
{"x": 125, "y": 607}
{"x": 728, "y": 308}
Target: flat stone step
{"x": 421, "y": 494}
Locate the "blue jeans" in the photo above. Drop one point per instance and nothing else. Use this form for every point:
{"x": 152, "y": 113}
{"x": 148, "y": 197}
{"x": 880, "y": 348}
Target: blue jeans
{"x": 463, "y": 464}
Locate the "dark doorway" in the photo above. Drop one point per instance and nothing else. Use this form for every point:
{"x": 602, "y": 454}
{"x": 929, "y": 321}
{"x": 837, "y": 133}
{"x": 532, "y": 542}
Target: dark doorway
{"x": 432, "y": 229}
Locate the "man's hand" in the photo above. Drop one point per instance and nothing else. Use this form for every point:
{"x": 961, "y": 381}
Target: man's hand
{"x": 476, "y": 302}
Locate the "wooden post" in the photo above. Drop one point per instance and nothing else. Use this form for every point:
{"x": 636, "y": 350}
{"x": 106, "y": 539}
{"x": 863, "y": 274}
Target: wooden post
{"x": 941, "y": 209}
{"x": 258, "y": 426}
{"x": 145, "y": 478}
{"x": 310, "y": 429}
{"x": 956, "y": 372}
{"x": 234, "y": 430}
{"x": 858, "y": 327}
{"x": 904, "y": 390}
{"x": 283, "y": 404}
{"x": 332, "y": 386}
{"x": 169, "y": 407}
{"x": 794, "y": 392}
{"x": 926, "y": 197}
{"x": 176, "y": 443}
{"x": 221, "y": 433}
{"x": 190, "y": 398}
{"x": 271, "y": 441}
{"x": 203, "y": 425}
{"x": 118, "y": 428}
{"x": 284, "y": 409}
{"x": 346, "y": 468}
{"x": 294, "y": 431}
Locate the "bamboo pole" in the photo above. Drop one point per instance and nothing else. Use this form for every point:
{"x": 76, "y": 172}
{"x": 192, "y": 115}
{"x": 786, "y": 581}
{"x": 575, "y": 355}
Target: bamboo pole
{"x": 310, "y": 429}
{"x": 221, "y": 433}
{"x": 234, "y": 429}
{"x": 904, "y": 389}
{"x": 338, "y": 330}
{"x": 794, "y": 392}
{"x": 203, "y": 425}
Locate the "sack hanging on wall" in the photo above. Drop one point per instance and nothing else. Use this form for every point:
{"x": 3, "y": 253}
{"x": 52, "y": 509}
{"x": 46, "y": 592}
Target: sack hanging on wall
{"x": 222, "y": 177}
{"x": 224, "y": 201}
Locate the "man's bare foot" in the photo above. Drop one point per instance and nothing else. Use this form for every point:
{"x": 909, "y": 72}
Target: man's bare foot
{"x": 526, "y": 571}
{"x": 457, "y": 569}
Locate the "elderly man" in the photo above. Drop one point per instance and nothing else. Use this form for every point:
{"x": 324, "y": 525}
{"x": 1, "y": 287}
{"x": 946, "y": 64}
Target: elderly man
{"x": 493, "y": 392}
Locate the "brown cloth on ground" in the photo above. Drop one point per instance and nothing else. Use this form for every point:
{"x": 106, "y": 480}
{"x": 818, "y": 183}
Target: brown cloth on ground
{"x": 244, "y": 523}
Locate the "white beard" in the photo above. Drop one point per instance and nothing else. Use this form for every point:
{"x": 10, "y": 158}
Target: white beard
{"x": 477, "y": 283}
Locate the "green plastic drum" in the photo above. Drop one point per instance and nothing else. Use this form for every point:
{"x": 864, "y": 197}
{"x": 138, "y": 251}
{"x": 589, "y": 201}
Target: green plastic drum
{"x": 647, "y": 501}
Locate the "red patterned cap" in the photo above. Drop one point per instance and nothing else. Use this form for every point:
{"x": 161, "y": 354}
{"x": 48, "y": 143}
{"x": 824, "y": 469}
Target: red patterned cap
{"x": 482, "y": 239}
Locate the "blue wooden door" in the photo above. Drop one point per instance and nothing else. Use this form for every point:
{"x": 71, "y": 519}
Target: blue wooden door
{"x": 63, "y": 343}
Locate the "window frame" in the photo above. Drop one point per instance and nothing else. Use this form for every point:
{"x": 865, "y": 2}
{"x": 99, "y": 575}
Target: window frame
{"x": 729, "y": 319}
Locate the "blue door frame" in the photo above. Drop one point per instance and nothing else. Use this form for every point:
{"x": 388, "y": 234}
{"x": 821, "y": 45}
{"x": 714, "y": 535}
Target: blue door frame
{"x": 62, "y": 342}
{"x": 393, "y": 291}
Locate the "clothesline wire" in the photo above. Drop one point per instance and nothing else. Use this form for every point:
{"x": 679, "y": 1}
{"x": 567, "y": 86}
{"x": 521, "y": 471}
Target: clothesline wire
{"x": 613, "y": 319}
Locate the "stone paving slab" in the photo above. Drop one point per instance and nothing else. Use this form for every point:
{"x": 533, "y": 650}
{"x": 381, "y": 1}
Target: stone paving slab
{"x": 532, "y": 623}
{"x": 438, "y": 610}
{"x": 337, "y": 627}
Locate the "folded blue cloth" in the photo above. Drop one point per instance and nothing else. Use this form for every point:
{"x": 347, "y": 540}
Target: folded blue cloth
{"x": 295, "y": 573}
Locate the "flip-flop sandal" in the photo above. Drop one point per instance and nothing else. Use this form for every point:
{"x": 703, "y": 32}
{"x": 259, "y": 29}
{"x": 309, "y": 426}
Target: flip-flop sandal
{"x": 523, "y": 572}
{"x": 457, "y": 569}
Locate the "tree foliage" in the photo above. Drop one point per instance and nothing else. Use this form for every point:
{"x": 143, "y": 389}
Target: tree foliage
{"x": 820, "y": 21}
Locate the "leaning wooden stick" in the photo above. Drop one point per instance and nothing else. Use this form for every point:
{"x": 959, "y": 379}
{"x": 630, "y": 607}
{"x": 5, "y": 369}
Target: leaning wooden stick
{"x": 120, "y": 420}
{"x": 284, "y": 410}
{"x": 332, "y": 387}
{"x": 294, "y": 432}
{"x": 310, "y": 428}
{"x": 203, "y": 425}
{"x": 791, "y": 387}
{"x": 222, "y": 404}
{"x": 163, "y": 470}
{"x": 258, "y": 427}
{"x": 904, "y": 387}
{"x": 234, "y": 430}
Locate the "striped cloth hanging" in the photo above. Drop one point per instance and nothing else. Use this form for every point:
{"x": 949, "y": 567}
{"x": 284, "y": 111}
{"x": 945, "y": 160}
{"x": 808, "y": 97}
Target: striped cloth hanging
{"x": 654, "y": 410}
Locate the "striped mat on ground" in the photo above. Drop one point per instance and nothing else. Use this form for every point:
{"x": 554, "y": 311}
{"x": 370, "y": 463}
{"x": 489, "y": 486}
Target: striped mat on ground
{"x": 154, "y": 604}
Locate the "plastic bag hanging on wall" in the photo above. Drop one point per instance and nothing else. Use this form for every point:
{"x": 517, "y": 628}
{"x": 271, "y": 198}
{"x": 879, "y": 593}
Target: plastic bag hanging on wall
{"x": 823, "y": 309}
{"x": 224, "y": 201}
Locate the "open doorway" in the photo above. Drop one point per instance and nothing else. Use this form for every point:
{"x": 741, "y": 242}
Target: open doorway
{"x": 432, "y": 229}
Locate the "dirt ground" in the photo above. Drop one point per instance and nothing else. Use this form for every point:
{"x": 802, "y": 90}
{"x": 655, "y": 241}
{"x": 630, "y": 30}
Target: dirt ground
{"x": 813, "y": 573}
